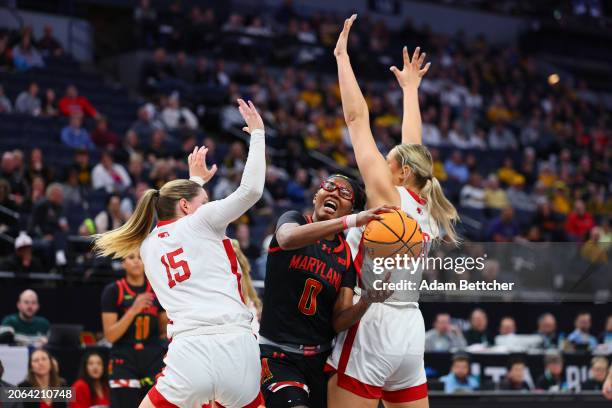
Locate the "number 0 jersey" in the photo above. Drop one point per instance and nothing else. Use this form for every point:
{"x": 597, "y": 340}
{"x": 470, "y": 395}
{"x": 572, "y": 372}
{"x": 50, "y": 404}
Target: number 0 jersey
{"x": 118, "y": 297}
{"x": 301, "y": 288}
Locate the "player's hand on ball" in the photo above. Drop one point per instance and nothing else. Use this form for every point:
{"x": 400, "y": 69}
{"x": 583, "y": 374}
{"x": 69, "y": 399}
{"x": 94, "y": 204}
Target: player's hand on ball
{"x": 373, "y": 214}
{"x": 342, "y": 44}
{"x": 413, "y": 70}
{"x": 197, "y": 164}
{"x": 251, "y": 116}
{"x": 142, "y": 301}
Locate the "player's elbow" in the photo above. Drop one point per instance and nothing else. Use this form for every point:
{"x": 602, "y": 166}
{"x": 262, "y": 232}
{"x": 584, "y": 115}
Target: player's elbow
{"x": 355, "y": 116}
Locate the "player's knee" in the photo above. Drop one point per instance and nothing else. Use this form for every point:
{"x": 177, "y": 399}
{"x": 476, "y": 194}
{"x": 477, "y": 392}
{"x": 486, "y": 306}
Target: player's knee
{"x": 289, "y": 397}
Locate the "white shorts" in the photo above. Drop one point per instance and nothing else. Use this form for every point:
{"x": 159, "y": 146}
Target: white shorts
{"x": 215, "y": 367}
{"x": 381, "y": 357}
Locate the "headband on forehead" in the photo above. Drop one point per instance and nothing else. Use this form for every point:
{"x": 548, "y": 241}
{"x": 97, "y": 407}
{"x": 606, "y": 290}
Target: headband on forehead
{"x": 359, "y": 194}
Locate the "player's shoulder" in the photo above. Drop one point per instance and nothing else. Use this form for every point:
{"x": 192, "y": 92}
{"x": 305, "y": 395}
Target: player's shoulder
{"x": 291, "y": 217}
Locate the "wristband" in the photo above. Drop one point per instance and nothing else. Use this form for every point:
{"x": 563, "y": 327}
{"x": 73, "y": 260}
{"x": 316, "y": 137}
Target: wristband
{"x": 349, "y": 221}
{"x": 197, "y": 179}
{"x": 258, "y": 132}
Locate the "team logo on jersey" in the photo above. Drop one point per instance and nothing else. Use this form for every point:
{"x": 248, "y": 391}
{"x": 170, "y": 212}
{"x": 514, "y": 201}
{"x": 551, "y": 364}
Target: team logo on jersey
{"x": 419, "y": 210}
{"x": 128, "y": 297}
{"x": 163, "y": 234}
{"x": 266, "y": 374}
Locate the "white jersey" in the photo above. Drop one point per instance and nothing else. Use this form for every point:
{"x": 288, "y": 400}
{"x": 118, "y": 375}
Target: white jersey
{"x": 191, "y": 264}
{"x": 413, "y": 205}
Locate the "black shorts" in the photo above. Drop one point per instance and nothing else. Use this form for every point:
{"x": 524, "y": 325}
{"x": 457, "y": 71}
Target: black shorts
{"x": 289, "y": 379}
{"x": 128, "y": 363}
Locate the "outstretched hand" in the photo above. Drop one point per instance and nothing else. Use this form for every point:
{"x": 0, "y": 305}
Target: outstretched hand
{"x": 411, "y": 73}
{"x": 342, "y": 44}
{"x": 251, "y": 116}
{"x": 197, "y": 164}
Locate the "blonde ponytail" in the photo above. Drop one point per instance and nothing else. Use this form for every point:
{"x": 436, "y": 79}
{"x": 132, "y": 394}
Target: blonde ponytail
{"x": 441, "y": 210}
{"x": 418, "y": 159}
{"x": 248, "y": 291}
{"x": 126, "y": 239}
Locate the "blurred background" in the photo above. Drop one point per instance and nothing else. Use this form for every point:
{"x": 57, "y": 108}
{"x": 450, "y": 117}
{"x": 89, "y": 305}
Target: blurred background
{"x": 102, "y": 99}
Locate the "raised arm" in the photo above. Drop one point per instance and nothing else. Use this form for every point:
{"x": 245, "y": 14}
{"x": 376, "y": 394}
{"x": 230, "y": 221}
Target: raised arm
{"x": 409, "y": 79}
{"x": 372, "y": 165}
{"x": 218, "y": 214}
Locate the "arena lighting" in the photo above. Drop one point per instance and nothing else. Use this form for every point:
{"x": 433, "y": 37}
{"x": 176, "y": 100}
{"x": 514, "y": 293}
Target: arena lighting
{"x": 553, "y": 79}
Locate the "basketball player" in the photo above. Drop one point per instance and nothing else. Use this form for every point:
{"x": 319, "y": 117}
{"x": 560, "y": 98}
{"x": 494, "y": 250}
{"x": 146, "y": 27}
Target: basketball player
{"x": 308, "y": 294}
{"x": 381, "y": 357}
{"x": 191, "y": 265}
{"x": 134, "y": 321}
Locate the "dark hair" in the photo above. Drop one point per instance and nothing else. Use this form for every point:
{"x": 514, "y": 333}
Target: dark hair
{"x": 460, "y": 357}
{"x": 84, "y": 374}
{"x": 514, "y": 361}
{"x": 358, "y": 192}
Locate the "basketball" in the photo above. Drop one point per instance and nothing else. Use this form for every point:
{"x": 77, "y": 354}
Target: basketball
{"x": 395, "y": 234}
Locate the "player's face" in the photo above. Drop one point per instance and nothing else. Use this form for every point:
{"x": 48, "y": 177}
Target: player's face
{"x": 329, "y": 205}
{"x": 41, "y": 364}
{"x": 133, "y": 264}
{"x": 398, "y": 175}
{"x": 95, "y": 366}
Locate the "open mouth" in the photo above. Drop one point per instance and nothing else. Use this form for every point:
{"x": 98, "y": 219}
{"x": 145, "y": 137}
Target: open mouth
{"x": 330, "y": 205}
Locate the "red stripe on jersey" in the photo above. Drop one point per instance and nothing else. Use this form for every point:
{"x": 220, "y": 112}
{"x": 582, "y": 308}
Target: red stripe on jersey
{"x": 358, "y": 261}
{"x": 271, "y": 250}
{"x": 406, "y": 395}
{"x": 416, "y": 197}
{"x": 281, "y": 384}
{"x": 346, "y": 348}
{"x": 158, "y": 400}
{"x": 229, "y": 250}
{"x": 127, "y": 288}
{"x": 166, "y": 222}
{"x": 120, "y": 288}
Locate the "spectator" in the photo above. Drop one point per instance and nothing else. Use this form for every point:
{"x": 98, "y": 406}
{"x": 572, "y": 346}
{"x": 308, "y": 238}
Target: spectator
{"x": 49, "y": 105}
{"x": 552, "y": 379}
{"x": 6, "y": 54}
{"x": 158, "y": 72}
{"x": 472, "y": 195}
{"x": 495, "y": 197}
{"x": 477, "y": 333}
{"x": 547, "y": 329}
{"x": 580, "y": 338}
{"x": 183, "y": 69}
{"x": 22, "y": 260}
{"x": 174, "y": 116}
{"x": 28, "y": 102}
{"x": 606, "y": 336}
{"x": 444, "y": 336}
{"x": 145, "y": 21}
{"x": 144, "y": 126}
{"x": 91, "y": 387}
{"x": 49, "y": 45}
{"x": 500, "y": 138}
{"x": 82, "y": 166}
{"x": 503, "y": 228}
{"x": 37, "y": 167}
{"x": 48, "y": 224}
{"x": 42, "y": 374}
{"x": 75, "y": 136}
{"x": 72, "y": 103}
{"x": 102, "y": 136}
{"x": 243, "y": 236}
{"x": 30, "y": 329}
{"x": 507, "y": 174}
{"x": 515, "y": 379}
{"x": 459, "y": 379}
{"x": 109, "y": 175}
{"x": 25, "y": 56}
{"x": 10, "y": 172}
{"x": 5, "y": 103}
{"x": 456, "y": 168}
{"x": 597, "y": 374}
{"x": 110, "y": 218}
{"x": 579, "y": 222}
{"x": 507, "y": 326}
{"x": 518, "y": 198}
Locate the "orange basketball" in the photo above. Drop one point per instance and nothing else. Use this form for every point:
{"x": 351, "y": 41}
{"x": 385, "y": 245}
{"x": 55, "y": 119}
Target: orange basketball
{"x": 395, "y": 234}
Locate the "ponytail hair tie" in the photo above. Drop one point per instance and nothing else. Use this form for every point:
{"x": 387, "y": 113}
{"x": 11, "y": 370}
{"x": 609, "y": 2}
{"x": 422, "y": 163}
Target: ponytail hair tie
{"x": 156, "y": 193}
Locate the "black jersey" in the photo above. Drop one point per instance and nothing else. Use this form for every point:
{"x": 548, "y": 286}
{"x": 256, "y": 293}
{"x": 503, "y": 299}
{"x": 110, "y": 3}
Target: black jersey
{"x": 118, "y": 297}
{"x": 301, "y": 287}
